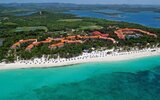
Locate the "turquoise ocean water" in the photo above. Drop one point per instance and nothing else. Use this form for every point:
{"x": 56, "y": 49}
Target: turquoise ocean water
{"x": 137, "y": 79}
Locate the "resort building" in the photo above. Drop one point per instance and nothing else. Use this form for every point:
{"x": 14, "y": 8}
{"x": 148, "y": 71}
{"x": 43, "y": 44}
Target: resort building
{"x": 17, "y": 44}
{"x": 97, "y": 33}
{"x": 121, "y": 33}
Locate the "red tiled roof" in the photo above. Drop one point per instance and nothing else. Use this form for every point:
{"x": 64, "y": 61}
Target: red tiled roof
{"x": 122, "y": 32}
{"x": 95, "y": 33}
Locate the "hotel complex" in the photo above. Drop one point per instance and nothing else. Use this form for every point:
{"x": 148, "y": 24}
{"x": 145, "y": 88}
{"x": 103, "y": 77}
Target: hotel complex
{"x": 59, "y": 42}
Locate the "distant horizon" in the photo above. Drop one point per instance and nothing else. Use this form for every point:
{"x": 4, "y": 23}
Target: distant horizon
{"x": 75, "y": 3}
{"x": 87, "y": 2}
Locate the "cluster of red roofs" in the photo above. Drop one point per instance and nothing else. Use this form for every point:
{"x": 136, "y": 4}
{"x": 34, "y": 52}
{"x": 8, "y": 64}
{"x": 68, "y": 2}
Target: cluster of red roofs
{"x": 121, "y": 33}
{"x": 59, "y": 42}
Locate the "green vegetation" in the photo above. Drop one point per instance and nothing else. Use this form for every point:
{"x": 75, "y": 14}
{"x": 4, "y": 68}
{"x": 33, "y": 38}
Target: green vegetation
{"x": 28, "y": 29}
{"x": 54, "y": 24}
{"x": 70, "y": 20}
{"x": 94, "y": 27}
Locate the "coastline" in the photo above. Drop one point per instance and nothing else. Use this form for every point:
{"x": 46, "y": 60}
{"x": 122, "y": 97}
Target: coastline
{"x": 96, "y": 56}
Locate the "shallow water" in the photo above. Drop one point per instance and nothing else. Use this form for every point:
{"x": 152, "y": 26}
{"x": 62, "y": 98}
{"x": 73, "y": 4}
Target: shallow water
{"x": 126, "y": 80}
{"x": 146, "y": 18}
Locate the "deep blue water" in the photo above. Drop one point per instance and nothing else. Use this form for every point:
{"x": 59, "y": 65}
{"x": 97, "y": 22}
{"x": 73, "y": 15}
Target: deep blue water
{"x": 147, "y": 18}
{"x": 137, "y": 79}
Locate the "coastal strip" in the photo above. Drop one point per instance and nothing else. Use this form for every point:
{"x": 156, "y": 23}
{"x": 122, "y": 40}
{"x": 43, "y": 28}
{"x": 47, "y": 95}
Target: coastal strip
{"x": 95, "y": 56}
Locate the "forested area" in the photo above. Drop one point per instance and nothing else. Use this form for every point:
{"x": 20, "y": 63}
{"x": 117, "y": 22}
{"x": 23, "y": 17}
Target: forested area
{"x": 58, "y": 27}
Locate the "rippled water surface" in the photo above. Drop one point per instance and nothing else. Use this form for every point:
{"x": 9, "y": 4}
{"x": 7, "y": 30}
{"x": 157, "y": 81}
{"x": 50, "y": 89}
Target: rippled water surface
{"x": 147, "y": 18}
{"x": 126, "y": 80}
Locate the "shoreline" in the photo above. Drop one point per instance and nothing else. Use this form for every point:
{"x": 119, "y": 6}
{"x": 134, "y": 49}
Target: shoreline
{"x": 95, "y": 56}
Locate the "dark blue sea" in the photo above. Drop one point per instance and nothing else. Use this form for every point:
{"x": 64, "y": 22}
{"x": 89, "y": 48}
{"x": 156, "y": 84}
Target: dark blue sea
{"x": 146, "y": 18}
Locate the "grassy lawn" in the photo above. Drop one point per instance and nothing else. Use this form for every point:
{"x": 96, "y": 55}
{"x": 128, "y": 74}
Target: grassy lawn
{"x": 93, "y": 27}
{"x": 70, "y": 20}
{"x": 27, "y": 29}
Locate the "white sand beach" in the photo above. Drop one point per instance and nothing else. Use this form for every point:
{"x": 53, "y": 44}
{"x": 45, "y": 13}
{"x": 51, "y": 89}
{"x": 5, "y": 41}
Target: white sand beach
{"x": 96, "y": 56}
